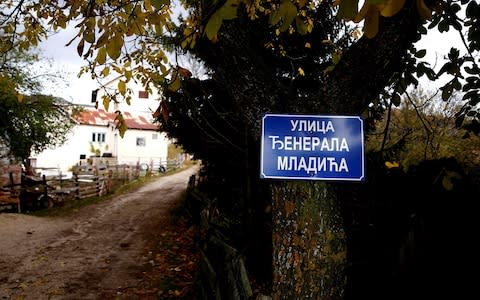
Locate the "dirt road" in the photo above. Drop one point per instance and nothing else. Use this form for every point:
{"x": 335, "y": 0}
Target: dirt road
{"x": 98, "y": 252}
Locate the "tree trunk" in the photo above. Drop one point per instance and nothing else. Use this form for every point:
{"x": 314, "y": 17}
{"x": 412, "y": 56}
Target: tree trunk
{"x": 309, "y": 249}
{"x": 309, "y": 242}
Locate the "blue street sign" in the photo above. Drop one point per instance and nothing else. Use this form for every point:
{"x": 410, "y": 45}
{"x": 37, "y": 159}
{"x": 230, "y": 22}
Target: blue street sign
{"x": 312, "y": 147}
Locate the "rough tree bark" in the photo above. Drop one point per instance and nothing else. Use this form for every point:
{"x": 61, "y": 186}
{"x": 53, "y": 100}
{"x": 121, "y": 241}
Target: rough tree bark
{"x": 308, "y": 240}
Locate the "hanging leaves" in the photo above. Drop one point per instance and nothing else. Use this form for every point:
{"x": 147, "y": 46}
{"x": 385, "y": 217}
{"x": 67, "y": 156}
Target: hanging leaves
{"x": 348, "y": 9}
{"x": 423, "y": 10}
{"x": 121, "y": 124}
{"x": 122, "y": 87}
{"x": 284, "y": 15}
{"x": 370, "y": 28}
{"x": 184, "y": 72}
{"x": 102, "y": 56}
{"x": 372, "y": 10}
{"x": 114, "y": 47}
{"x": 391, "y": 7}
{"x": 80, "y": 47}
{"x": 106, "y": 102}
{"x": 228, "y": 11}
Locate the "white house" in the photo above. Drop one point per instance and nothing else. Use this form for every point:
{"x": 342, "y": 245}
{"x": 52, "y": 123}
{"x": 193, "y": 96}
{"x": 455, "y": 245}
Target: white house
{"x": 95, "y": 133}
{"x": 142, "y": 102}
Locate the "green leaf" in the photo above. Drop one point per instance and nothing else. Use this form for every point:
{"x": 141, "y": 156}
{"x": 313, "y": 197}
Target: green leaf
{"x": 288, "y": 10}
{"x": 447, "y": 181}
{"x": 348, "y": 9}
{"x": 106, "y": 102}
{"x": 371, "y": 23}
{"x": 102, "y": 40}
{"x": 121, "y": 124}
{"x": 175, "y": 84}
{"x": 447, "y": 92}
{"x": 229, "y": 10}
{"x": 213, "y": 25}
{"x": 159, "y": 3}
{"x": 89, "y": 36}
{"x": 122, "y": 87}
{"x": 301, "y": 27}
{"x": 275, "y": 17}
{"x": 396, "y": 99}
{"x": 102, "y": 56}
{"x": 114, "y": 47}
{"x": 420, "y": 53}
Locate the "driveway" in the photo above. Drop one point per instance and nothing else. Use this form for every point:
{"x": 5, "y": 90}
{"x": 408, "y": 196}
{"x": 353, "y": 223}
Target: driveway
{"x": 102, "y": 251}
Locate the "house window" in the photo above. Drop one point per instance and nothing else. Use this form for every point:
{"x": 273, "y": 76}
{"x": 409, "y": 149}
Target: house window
{"x": 141, "y": 141}
{"x": 154, "y": 136}
{"x": 143, "y": 94}
{"x": 98, "y": 137}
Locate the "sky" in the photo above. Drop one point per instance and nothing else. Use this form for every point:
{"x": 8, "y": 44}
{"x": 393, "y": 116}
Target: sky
{"x": 67, "y": 63}
{"x": 78, "y": 89}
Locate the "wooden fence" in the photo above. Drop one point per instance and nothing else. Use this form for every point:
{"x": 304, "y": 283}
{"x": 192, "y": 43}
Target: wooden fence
{"x": 87, "y": 180}
{"x": 10, "y": 179}
{"x": 93, "y": 181}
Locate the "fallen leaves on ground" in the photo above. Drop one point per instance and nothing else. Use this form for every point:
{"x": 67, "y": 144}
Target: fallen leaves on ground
{"x": 171, "y": 264}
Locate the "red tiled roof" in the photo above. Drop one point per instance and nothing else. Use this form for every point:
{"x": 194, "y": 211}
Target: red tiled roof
{"x": 103, "y": 118}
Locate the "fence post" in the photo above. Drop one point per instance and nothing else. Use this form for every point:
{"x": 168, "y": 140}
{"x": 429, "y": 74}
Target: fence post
{"x": 110, "y": 180}
{"x": 77, "y": 186}
{"x": 97, "y": 185}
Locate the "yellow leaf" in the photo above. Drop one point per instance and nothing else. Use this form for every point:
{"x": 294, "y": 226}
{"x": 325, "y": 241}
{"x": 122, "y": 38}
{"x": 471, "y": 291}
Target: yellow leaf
{"x": 229, "y": 10}
{"x": 423, "y": 10}
{"x": 348, "y": 9}
{"x": 307, "y": 45}
{"x": 20, "y": 98}
{"x": 105, "y": 71}
{"x": 147, "y": 5}
{"x": 102, "y": 56}
{"x": 288, "y": 10}
{"x": 175, "y": 84}
{"x": 128, "y": 74}
{"x": 301, "y": 72}
{"x": 122, "y": 87}
{"x": 289, "y": 207}
{"x": 106, "y": 102}
{"x": 371, "y": 23}
{"x": 102, "y": 40}
{"x": 159, "y": 3}
{"x": 89, "y": 36}
{"x": 213, "y": 25}
{"x": 155, "y": 19}
{"x": 114, "y": 47}
{"x": 363, "y": 12}
{"x": 184, "y": 72}
{"x": 447, "y": 183}
{"x": 392, "y": 7}
{"x": 301, "y": 26}
{"x": 121, "y": 125}
{"x": 391, "y": 165}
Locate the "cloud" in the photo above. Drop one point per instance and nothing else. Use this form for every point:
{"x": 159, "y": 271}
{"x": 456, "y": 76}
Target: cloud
{"x": 68, "y": 64}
